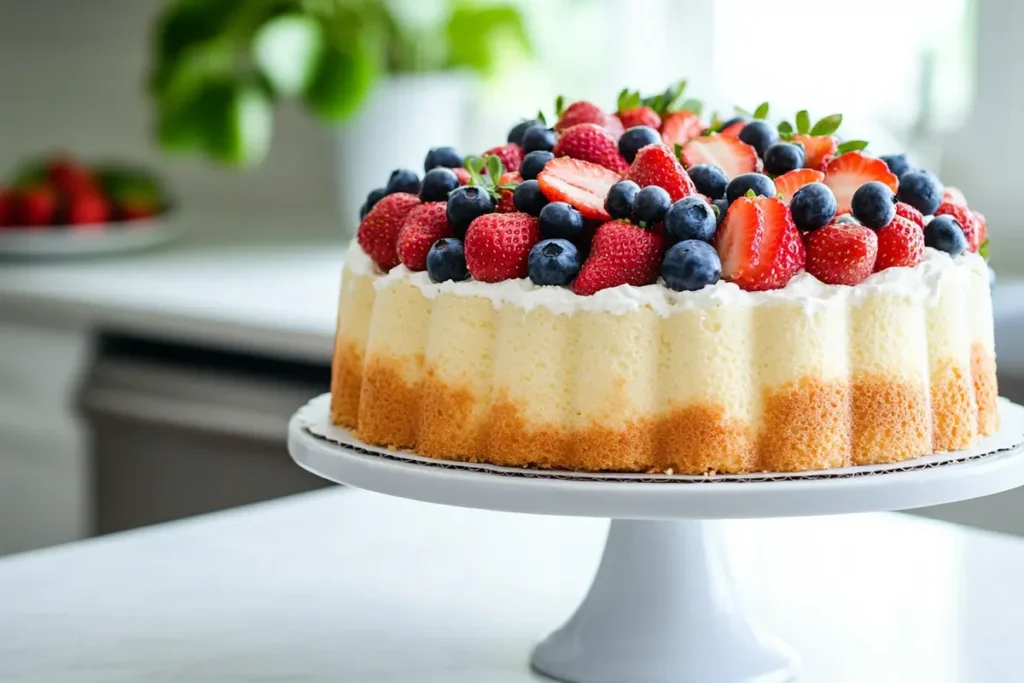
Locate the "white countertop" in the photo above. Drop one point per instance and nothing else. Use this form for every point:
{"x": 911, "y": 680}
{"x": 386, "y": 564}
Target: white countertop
{"x": 343, "y": 585}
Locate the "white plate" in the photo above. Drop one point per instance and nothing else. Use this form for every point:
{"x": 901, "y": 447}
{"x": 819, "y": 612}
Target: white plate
{"x": 68, "y": 241}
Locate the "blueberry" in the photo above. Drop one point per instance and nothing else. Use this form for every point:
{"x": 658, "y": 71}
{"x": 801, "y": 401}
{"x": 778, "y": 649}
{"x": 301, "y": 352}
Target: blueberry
{"x": 921, "y": 190}
{"x": 466, "y": 204}
{"x": 515, "y": 136}
{"x": 760, "y": 136}
{"x": 650, "y": 205}
{"x": 897, "y": 163}
{"x": 709, "y": 180}
{"x": 758, "y": 182}
{"x": 691, "y": 218}
{"x": 442, "y": 156}
{"x": 636, "y": 138}
{"x": 537, "y": 137}
{"x": 813, "y": 206}
{"x": 783, "y": 157}
{"x": 534, "y": 163}
{"x": 402, "y": 180}
{"x": 553, "y": 262}
{"x": 371, "y": 200}
{"x": 874, "y": 205}
{"x": 620, "y": 200}
{"x": 945, "y": 234}
{"x": 691, "y": 265}
{"x": 528, "y": 198}
{"x": 446, "y": 260}
{"x": 437, "y": 183}
{"x": 560, "y": 220}
{"x": 723, "y": 207}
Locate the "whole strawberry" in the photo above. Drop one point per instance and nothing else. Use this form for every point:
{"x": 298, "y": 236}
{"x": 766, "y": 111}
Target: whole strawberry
{"x": 463, "y": 175}
{"x": 640, "y": 116}
{"x": 37, "y": 206}
{"x": 423, "y": 225}
{"x": 587, "y": 112}
{"x": 657, "y": 165}
{"x": 498, "y": 245}
{"x": 511, "y": 156}
{"x": 910, "y": 213}
{"x": 901, "y": 243}
{"x": 590, "y": 142}
{"x": 841, "y": 253}
{"x": 69, "y": 176}
{"x": 506, "y": 187}
{"x": 965, "y": 217}
{"x": 378, "y": 233}
{"x": 620, "y": 254}
{"x": 86, "y": 208}
{"x": 8, "y": 208}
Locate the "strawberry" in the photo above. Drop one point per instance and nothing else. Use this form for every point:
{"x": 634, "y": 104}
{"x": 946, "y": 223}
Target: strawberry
{"x": 423, "y": 225}
{"x": 586, "y": 112}
{"x": 680, "y": 127}
{"x": 136, "y": 209}
{"x": 910, "y": 213}
{"x": 511, "y": 156}
{"x": 818, "y": 149}
{"x": 498, "y": 244}
{"x": 590, "y": 142}
{"x": 657, "y": 165}
{"x": 738, "y": 239}
{"x": 780, "y": 255}
{"x": 37, "y": 206}
{"x": 847, "y": 172}
{"x": 979, "y": 218}
{"x": 86, "y": 208}
{"x": 463, "y": 175}
{"x": 733, "y": 127}
{"x": 728, "y": 153}
{"x": 580, "y": 183}
{"x": 901, "y": 243}
{"x": 965, "y": 217}
{"x": 953, "y": 195}
{"x": 841, "y": 253}
{"x": 788, "y": 183}
{"x": 505, "y": 204}
{"x": 378, "y": 233}
{"x": 620, "y": 254}
{"x": 8, "y": 208}
{"x": 640, "y": 116}
{"x": 67, "y": 175}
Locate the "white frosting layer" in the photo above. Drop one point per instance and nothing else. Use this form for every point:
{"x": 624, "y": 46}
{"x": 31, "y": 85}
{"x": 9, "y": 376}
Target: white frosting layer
{"x": 919, "y": 283}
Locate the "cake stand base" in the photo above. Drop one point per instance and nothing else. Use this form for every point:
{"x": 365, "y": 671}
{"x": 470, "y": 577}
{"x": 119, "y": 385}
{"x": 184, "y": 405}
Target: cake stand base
{"x": 661, "y": 610}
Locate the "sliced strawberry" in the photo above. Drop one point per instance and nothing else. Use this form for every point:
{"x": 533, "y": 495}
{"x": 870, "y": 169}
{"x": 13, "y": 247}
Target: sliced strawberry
{"x": 910, "y": 213}
{"x": 378, "y": 233}
{"x": 680, "y": 127}
{"x": 505, "y": 203}
{"x": 620, "y": 254}
{"x": 954, "y": 195}
{"x": 738, "y": 239}
{"x": 657, "y": 165}
{"x": 511, "y": 156}
{"x": 847, "y": 172}
{"x": 841, "y": 253}
{"x": 580, "y": 183}
{"x": 498, "y": 245}
{"x": 818, "y": 149}
{"x": 780, "y": 254}
{"x": 590, "y": 142}
{"x": 965, "y": 217}
{"x": 788, "y": 183}
{"x": 640, "y": 116}
{"x": 901, "y": 243}
{"x": 728, "y": 153}
{"x": 733, "y": 127}
{"x": 463, "y": 176}
{"x": 424, "y": 225}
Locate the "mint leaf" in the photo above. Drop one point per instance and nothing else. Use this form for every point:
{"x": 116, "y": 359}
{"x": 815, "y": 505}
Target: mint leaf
{"x": 827, "y": 125}
{"x": 540, "y": 117}
{"x": 620, "y": 101}
{"x": 740, "y": 111}
{"x": 559, "y": 105}
{"x": 786, "y": 130}
{"x": 803, "y": 121}
{"x": 495, "y": 169}
{"x": 762, "y": 111}
{"x": 851, "y": 146}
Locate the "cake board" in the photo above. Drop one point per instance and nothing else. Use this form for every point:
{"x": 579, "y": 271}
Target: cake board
{"x": 661, "y": 608}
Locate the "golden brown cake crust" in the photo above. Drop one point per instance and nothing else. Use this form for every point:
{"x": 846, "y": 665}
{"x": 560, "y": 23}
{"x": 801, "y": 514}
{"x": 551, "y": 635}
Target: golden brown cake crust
{"x": 346, "y": 382}
{"x": 986, "y": 389}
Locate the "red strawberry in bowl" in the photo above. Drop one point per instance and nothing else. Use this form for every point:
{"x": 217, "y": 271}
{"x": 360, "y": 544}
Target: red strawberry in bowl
{"x": 847, "y": 172}
{"x": 657, "y": 165}
{"x": 579, "y": 183}
{"x": 498, "y": 245}
{"x": 965, "y": 217}
{"x": 900, "y": 244}
{"x": 37, "y": 206}
{"x": 620, "y": 254}
{"x": 423, "y": 225}
{"x": 730, "y": 154}
{"x": 818, "y": 149}
{"x": 590, "y": 142}
{"x": 841, "y": 253}
{"x": 378, "y": 233}
{"x": 86, "y": 208}
{"x": 680, "y": 127}
{"x": 511, "y": 156}
{"x": 788, "y": 183}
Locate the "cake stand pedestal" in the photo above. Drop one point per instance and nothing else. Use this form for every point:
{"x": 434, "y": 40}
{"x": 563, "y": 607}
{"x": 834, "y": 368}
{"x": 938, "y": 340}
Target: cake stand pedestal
{"x": 661, "y": 608}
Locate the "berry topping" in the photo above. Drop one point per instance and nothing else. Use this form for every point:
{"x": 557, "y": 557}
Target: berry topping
{"x": 533, "y": 164}
{"x": 498, "y": 245}
{"x": 539, "y": 138}
{"x": 657, "y": 165}
{"x": 528, "y": 198}
{"x": 921, "y": 190}
{"x": 586, "y": 112}
{"x": 982, "y": 231}
{"x": 874, "y": 205}
{"x": 423, "y": 225}
{"x": 954, "y": 195}
{"x": 466, "y": 204}
{"x": 590, "y": 142}
{"x": 560, "y": 220}
{"x": 759, "y": 135}
{"x": 680, "y": 127}
{"x": 437, "y": 183}
{"x": 710, "y": 181}
{"x": 621, "y": 197}
{"x": 841, "y": 253}
{"x": 580, "y": 183}
{"x": 847, "y": 172}
{"x": 515, "y": 136}
{"x": 897, "y": 163}
{"x": 511, "y": 155}
{"x": 446, "y": 157}
{"x": 783, "y": 157}
{"x": 640, "y": 116}
{"x": 378, "y": 233}
{"x": 635, "y": 139}
{"x": 402, "y": 180}
{"x": 730, "y": 154}
{"x": 650, "y": 205}
{"x": 505, "y": 188}
{"x": 371, "y": 200}
{"x": 910, "y": 213}
{"x": 553, "y": 262}
{"x": 788, "y": 183}
{"x": 620, "y": 254}
{"x": 819, "y": 149}
{"x": 901, "y": 243}
{"x": 780, "y": 254}
{"x": 691, "y": 265}
{"x": 733, "y": 126}
{"x": 464, "y": 176}
{"x": 966, "y": 220}
{"x": 945, "y": 234}
{"x": 446, "y": 260}
{"x": 691, "y": 218}
{"x": 758, "y": 183}
{"x": 813, "y": 206}
{"x": 738, "y": 239}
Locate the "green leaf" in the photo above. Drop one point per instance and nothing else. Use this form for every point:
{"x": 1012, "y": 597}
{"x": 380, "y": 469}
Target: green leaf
{"x": 678, "y": 149}
{"x": 762, "y": 111}
{"x": 559, "y": 105}
{"x": 495, "y": 169}
{"x": 803, "y": 122}
{"x": 620, "y": 101}
{"x": 475, "y": 165}
{"x": 287, "y": 51}
{"x": 237, "y": 123}
{"x": 851, "y": 146}
{"x": 344, "y": 77}
{"x": 983, "y": 249}
{"x": 715, "y": 210}
{"x": 540, "y": 117}
{"x": 786, "y": 130}
{"x": 695, "y": 106}
{"x": 672, "y": 96}
{"x": 828, "y": 125}
{"x": 479, "y": 36}
{"x": 740, "y": 111}
{"x": 750, "y": 194}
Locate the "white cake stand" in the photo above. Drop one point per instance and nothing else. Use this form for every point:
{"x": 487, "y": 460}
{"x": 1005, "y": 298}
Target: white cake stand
{"x": 661, "y": 608}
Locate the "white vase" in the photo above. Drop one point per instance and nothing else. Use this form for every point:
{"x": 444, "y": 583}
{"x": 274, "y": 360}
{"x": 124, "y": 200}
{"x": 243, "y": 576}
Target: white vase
{"x": 402, "y": 119}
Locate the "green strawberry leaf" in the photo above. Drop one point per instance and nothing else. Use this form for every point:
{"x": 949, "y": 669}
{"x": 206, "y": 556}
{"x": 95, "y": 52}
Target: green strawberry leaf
{"x": 475, "y": 165}
{"x": 750, "y": 194}
{"x": 495, "y": 169}
{"x": 620, "y": 101}
{"x": 828, "y": 125}
{"x": 559, "y": 105}
{"x": 803, "y": 122}
{"x": 983, "y": 250}
{"x": 540, "y": 117}
{"x": 715, "y": 210}
{"x": 851, "y": 146}
{"x": 761, "y": 112}
{"x": 740, "y": 111}
{"x": 695, "y": 106}
{"x": 678, "y": 149}
{"x": 786, "y": 130}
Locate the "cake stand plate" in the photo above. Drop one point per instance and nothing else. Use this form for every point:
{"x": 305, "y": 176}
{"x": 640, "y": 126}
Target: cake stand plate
{"x": 661, "y": 608}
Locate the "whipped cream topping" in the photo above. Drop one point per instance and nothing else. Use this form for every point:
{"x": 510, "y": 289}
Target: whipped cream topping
{"x": 919, "y": 283}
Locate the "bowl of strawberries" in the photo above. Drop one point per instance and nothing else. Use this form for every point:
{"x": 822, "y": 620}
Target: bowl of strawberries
{"x": 61, "y": 206}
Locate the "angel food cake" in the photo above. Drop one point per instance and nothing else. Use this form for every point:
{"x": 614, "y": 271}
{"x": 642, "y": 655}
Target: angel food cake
{"x": 650, "y": 293}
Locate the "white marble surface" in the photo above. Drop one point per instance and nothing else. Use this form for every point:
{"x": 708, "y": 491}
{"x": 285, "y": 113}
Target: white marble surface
{"x": 349, "y": 586}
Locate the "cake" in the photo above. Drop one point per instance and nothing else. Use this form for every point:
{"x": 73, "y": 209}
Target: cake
{"x": 703, "y": 297}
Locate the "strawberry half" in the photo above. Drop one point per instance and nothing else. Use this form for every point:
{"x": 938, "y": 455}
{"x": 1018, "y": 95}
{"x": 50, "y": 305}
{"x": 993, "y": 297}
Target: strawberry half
{"x": 910, "y": 213}
{"x": 841, "y": 253}
{"x": 818, "y": 149}
{"x": 979, "y": 218}
{"x": 954, "y": 195}
{"x": 463, "y": 176}
{"x": 378, "y": 233}
{"x": 590, "y": 142}
{"x": 423, "y": 225}
{"x": 738, "y": 239}
{"x": 680, "y": 127}
{"x": 780, "y": 255}
{"x": 511, "y": 156}
{"x": 498, "y": 245}
{"x": 579, "y": 183}
{"x": 901, "y": 243}
{"x": 847, "y": 172}
{"x": 965, "y": 217}
{"x": 733, "y": 129}
{"x": 587, "y": 112}
{"x": 728, "y": 153}
{"x": 505, "y": 203}
{"x": 640, "y": 116}
{"x": 657, "y": 165}
{"x": 788, "y": 183}
{"x": 620, "y": 254}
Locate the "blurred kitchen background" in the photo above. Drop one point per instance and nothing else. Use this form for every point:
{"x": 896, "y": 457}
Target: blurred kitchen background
{"x": 145, "y": 387}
